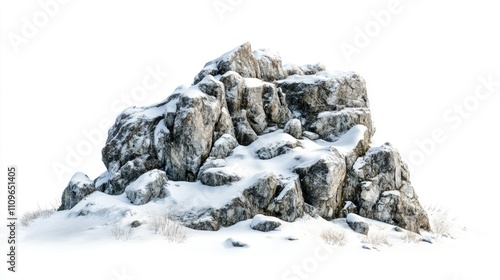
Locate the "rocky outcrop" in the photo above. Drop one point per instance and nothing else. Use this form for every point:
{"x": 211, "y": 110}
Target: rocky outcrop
{"x": 384, "y": 191}
{"x": 253, "y": 137}
{"x": 78, "y": 188}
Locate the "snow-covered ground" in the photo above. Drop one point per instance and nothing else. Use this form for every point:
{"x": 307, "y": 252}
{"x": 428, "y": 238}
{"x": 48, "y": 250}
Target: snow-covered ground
{"x": 65, "y": 246}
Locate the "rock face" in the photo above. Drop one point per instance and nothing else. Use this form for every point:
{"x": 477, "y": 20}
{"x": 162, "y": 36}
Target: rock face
{"x": 253, "y": 137}
{"x": 78, "y": 188}
{"x": 384, "y": 190}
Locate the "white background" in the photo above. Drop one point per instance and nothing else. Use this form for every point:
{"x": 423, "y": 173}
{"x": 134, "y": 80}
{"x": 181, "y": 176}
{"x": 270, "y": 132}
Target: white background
{"x": 427, "y": 58}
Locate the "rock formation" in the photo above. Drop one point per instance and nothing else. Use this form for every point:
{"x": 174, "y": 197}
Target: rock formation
{"x": 250, "y": 137}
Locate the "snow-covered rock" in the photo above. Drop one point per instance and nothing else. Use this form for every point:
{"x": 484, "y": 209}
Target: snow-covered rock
{"x": 223, "y": 146}
{"x": 147, "y": 187}
{"x": 386, "y": 192}
{"x": 310, "y": 95}
{"x": 294, "y": 128}
{"x": 251, "y": 137}
{"x": 357, "y": 223}
{"x": 240, "y": 60}
{"x": 218, "y": 177}
{"x": 78, "y": 188}
{"x": 270, "y": 65}
{"x": 322, "y": 183}
{"x": 264, "y": 223}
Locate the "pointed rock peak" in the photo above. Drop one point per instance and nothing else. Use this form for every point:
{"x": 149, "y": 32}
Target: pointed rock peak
{"x": 240, "y": 60}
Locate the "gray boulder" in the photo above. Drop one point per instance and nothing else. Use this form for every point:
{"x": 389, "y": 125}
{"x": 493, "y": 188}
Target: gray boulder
{"x": 270, "y": 65}
{"x": 78, "y": 188}
{"x": 148, "y": 186}
{"x": 322, "y": 183}
{"x": 230, "y": 242}
{"x": 385, "y": 190}
{"x": 292, "y": 69}
{"x": 357, "y": 223}
{"x": 312, "y": 69}
{"x": 264, "y": 223}
{"x": 129, "y": 172}
{"x": 244, "y": 132}
{"x": 223, "y": 146}
{"x": 218, "y": 177}
{"x": 294, "y": 128}
{"x": 310, "y": 135}
{"x": 194, "y": 126}
{"x": 282, "y": 198}
{"x": 276, "y": 149}
{"x": 307, "y": 96}
{"x": 331, "y": 125}
{"x": 129, "y": 150}
{"x": 101, "y": 183}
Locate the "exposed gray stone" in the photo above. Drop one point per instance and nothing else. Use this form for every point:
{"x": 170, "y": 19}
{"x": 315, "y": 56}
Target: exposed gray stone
{"x": 223, "y": 146}
{"x": 294, "y": 128}
{"x": 131, "y": 142}
{"x": 230, "y": 242}
{"x": 101, "y": 182}
{"x": 270, "y": 65}
{"x": 211, "y": 163}
{"x": 385, "y": 190}
{"x": 135, "y": 224}
{"x": 234, "y": 85}
{"x": 264, "y": 224}
{"x": 322, "y": 183}
{"x": 147, "y": 187}
{"x": 276, "y": 149}
{"x": 235, "y": 99}
{"x": 78, "y": 188}
{"x": 281, "y": 198}
{"x": 240, "y": 60}
{"x": 194, "y": 126}
{"x": 357, "y": 223}
{"x": 253, "y": 104}
{"x": 311, "y": 69}
{"x": 244, "y": 132}
{"x": 330, "y": 125}
{"x": 310, "y": 135}
{"x": 307, "y": 96}
{"x": 218, "y": 177}
{"x": 275, "y": 106}
{"x": 292, "y": 69}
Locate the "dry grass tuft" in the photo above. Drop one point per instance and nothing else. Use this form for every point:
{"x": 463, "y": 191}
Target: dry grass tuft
{"x": 164, "y": 225}
{"x": 334, "y": 237}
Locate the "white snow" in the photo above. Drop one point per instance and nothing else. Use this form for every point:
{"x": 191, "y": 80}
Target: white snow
{"x": 393, "y": 192}
{"x": 84, "y": 250}
{"x": 193, "y": 92}
{"x": 171, "y": 106}
{"x": 253, "y": 82}
{"x": 352, "y": 218}
{"x": 350, "y": 139}
{"x": 81, "y": 177}
{"x": 307, "y": 79}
